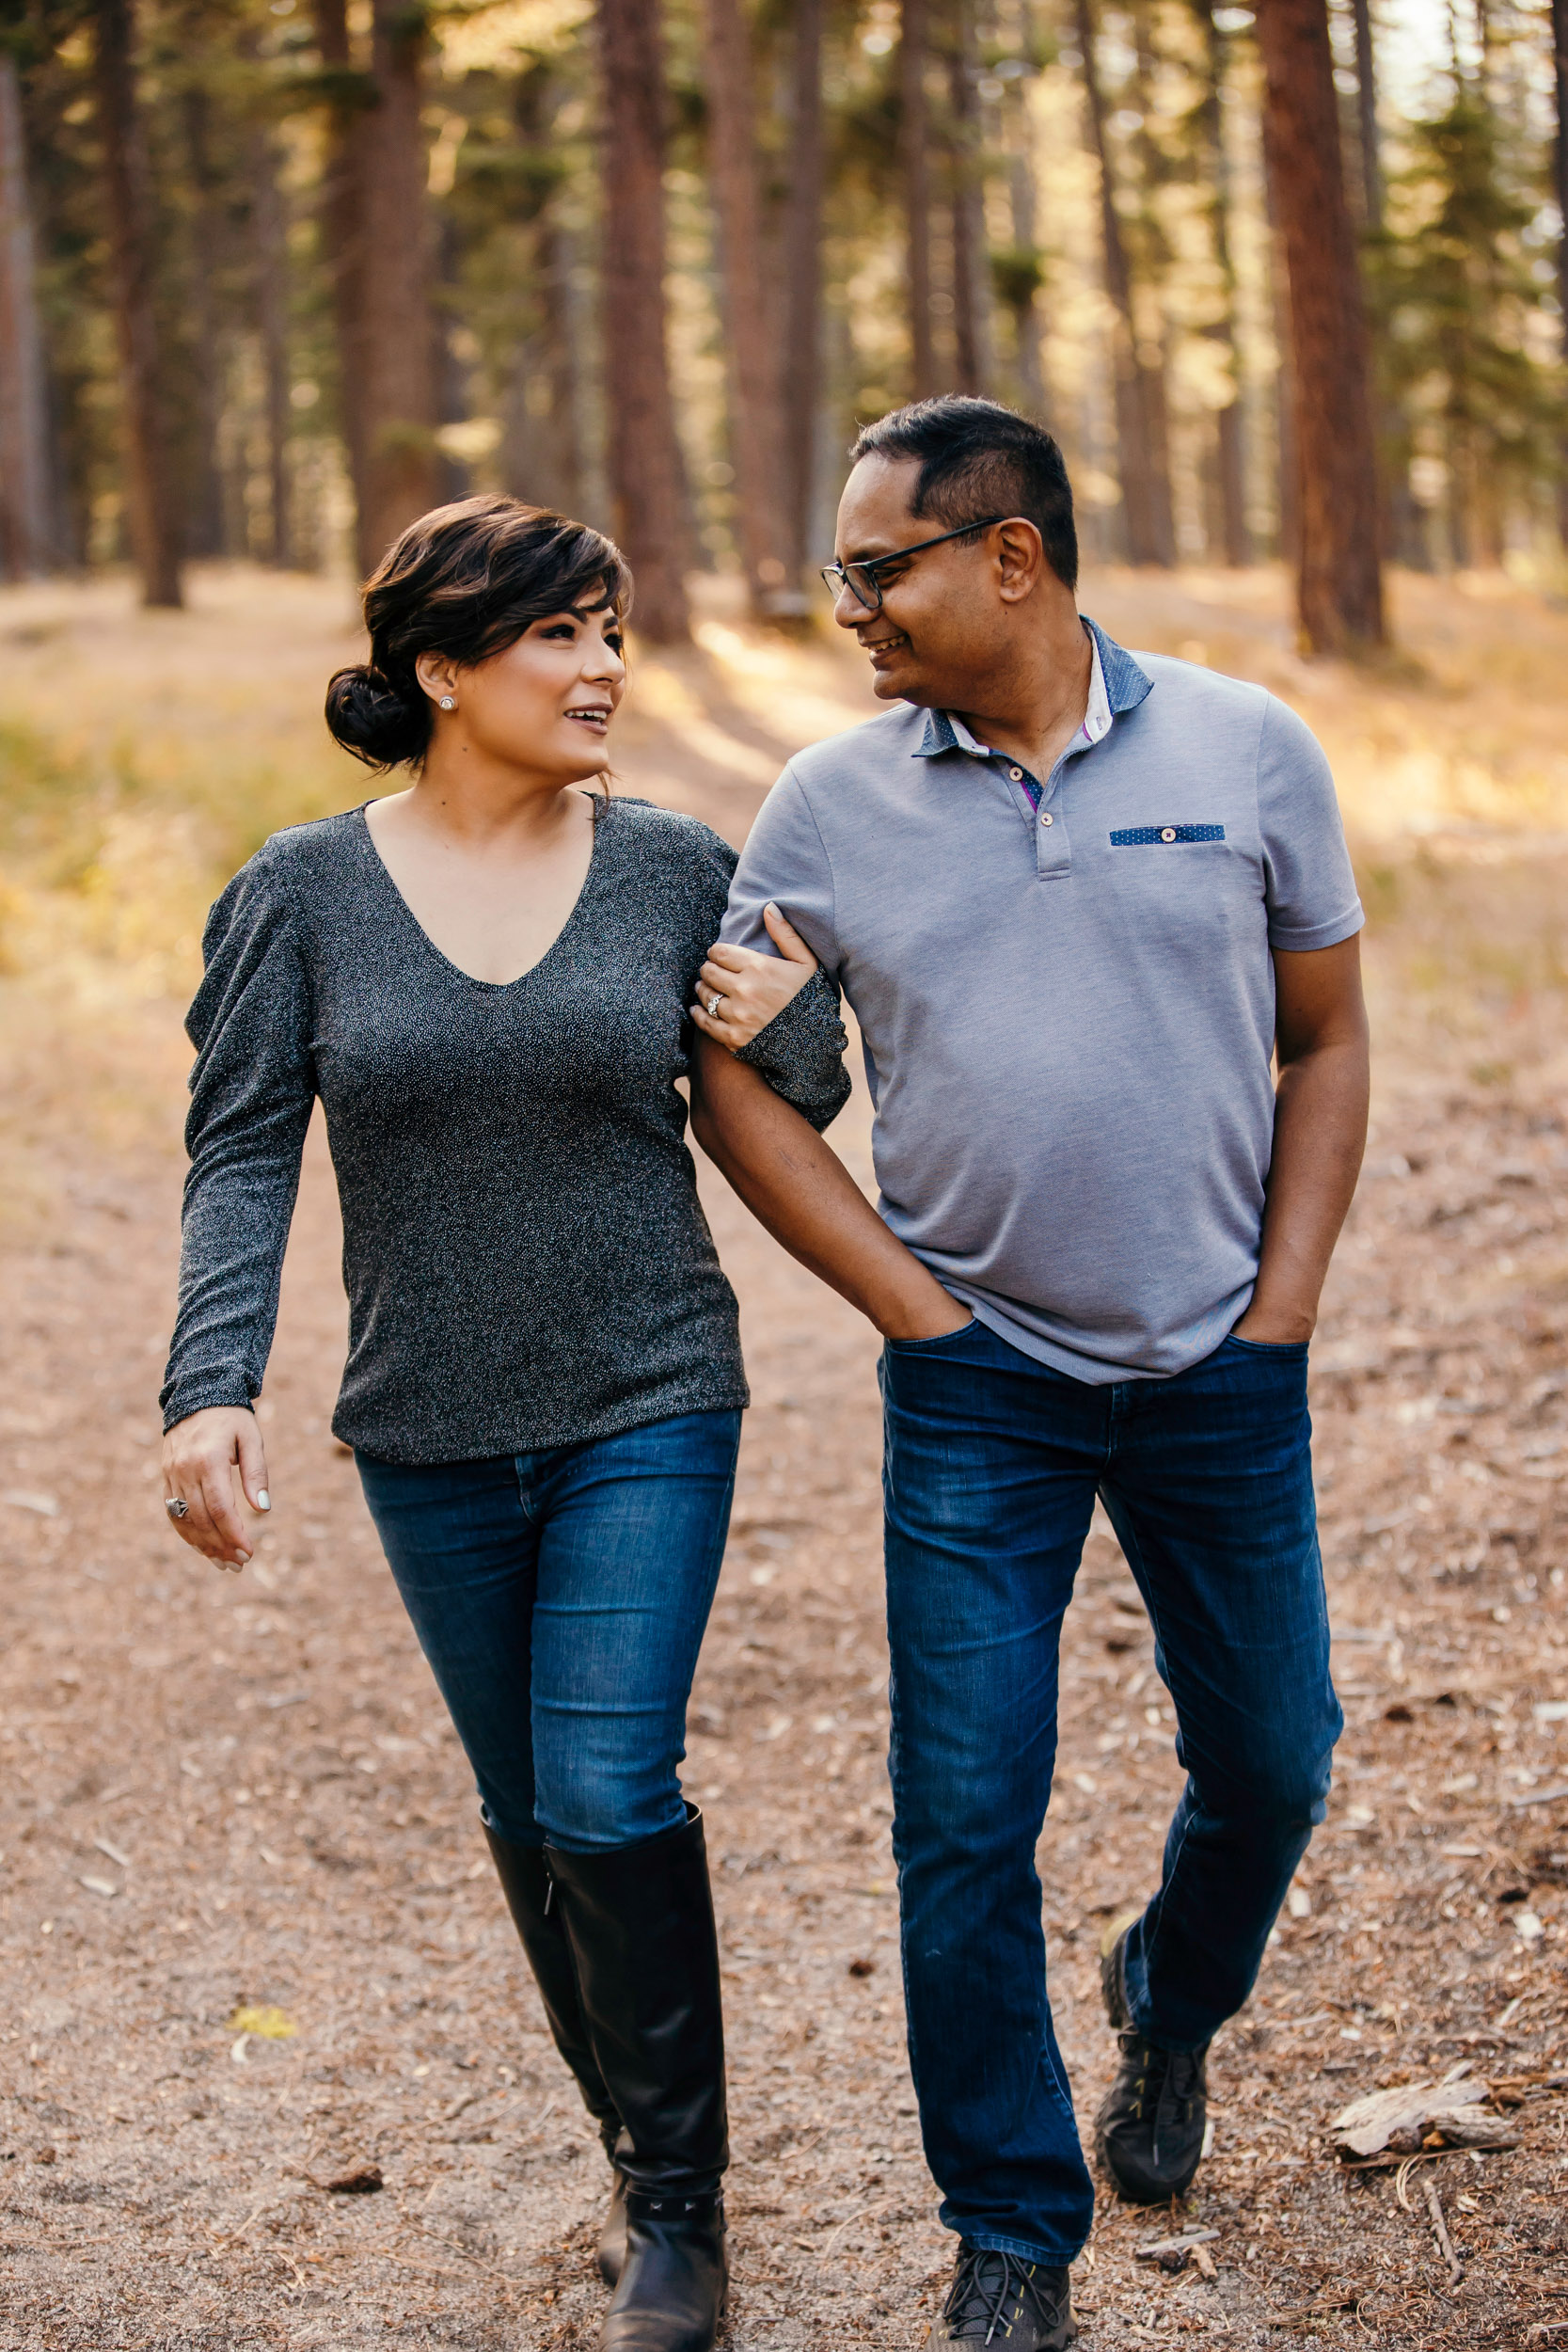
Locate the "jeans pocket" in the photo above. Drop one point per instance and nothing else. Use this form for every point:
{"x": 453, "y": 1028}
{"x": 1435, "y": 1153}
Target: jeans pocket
{"x": 941, "y": 1339}
{"x": 1269, "y": 1347}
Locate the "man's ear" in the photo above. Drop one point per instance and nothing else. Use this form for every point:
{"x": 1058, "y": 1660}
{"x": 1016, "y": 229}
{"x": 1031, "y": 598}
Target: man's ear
{"x": 1020, "y": 558}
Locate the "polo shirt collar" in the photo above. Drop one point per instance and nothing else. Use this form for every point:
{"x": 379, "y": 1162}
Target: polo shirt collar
{"x": 1126, "y": 684}
{"x": 1116, "y": 684}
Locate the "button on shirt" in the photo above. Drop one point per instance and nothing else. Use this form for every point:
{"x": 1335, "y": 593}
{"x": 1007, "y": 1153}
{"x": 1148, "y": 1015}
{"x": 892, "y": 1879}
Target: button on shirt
{"x": 1068, "y": 1027}
{"x": 945, "y": 732}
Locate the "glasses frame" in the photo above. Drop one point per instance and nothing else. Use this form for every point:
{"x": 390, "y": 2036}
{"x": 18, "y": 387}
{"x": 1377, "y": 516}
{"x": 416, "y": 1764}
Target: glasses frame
{"x": 837, "y": 577}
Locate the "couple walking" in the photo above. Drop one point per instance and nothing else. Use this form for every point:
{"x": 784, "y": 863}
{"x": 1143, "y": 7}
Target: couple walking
{"x": 1078, "y": 902}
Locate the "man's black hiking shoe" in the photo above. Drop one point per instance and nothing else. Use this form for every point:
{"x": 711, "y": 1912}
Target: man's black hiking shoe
{"x": 1002, "y": 2299}
{"x": 1152, "y": 2122}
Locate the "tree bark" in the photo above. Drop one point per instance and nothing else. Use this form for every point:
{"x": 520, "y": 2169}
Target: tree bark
{"x": 755, "y": 420}
{"x": 1366, "y": 116}
{"x": 207, "y": 515}
{"x": 1286, "y": 463}
{"x": 646, "y": 477}
{"x": 802, "y": 354}
{"x": 1229, "y": 451}
{"x": 542, "y": 453}
{"x": 269, "y": 239}
{"x": 27, "y": 517}
{"x": 914, "y": 159}
{"x": 398, "y": 387}
{"x": 970, "y": 288}
{"x": 1023, "y": 206}
{"x": 1138, "y": 412}
{"x": 151, "y": 492}
{"x": 1151, "y": 251}
{"x": 1339, "y": 579}
{"x": 342, "y": 231}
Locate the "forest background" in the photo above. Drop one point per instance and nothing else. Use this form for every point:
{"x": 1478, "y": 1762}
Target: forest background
{"x": 277, "y": 275}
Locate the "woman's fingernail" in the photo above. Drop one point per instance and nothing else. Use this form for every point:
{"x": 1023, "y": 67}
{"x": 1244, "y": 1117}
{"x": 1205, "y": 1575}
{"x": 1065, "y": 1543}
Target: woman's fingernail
{"x": 263, "y": 1501}
{"x": 772, "y": 906}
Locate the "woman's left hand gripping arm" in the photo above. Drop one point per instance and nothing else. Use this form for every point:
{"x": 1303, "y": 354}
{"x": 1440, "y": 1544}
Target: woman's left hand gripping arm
{"x": 741, "y": 990}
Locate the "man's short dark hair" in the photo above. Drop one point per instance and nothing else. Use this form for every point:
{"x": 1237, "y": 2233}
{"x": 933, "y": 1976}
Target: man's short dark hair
{"x": 977, "y": 458}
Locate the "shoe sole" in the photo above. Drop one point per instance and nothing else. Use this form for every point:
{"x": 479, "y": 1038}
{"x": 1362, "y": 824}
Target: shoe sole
{"x": 1059, "y": 2344}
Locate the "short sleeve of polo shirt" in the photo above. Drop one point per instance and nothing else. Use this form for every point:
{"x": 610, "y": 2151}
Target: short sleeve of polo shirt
{"x": 784, "y": 860}
{"x": 1308, "y": 885}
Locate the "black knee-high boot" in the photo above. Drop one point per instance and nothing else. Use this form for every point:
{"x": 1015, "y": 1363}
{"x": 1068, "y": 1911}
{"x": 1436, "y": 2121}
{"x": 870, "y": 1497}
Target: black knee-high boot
{"x": 526, "y": 1883}
{"x": 639, "y": 1920}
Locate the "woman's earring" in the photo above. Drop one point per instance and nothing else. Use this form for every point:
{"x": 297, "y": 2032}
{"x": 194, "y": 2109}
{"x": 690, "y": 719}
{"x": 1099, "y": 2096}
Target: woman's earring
{"x": 447, "y": 702}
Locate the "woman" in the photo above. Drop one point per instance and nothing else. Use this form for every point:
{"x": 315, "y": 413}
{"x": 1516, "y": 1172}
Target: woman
{"x": 486, "y": 978}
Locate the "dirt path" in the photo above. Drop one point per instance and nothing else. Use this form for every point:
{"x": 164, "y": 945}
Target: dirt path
{"x": 225, "y": 1794}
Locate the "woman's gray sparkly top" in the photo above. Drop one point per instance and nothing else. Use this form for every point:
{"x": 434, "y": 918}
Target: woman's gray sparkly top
{"x": 526, "y": 1258}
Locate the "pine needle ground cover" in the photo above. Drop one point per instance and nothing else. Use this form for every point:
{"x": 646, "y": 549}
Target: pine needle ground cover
{"x": 232, "y": 1806}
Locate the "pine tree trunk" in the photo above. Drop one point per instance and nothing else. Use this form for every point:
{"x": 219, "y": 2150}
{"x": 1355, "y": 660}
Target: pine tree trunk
{"x": 1403, "y": 536}
{"x": 207, "y": 519}
{"x": 1365, "y": 114}
{"x": 398, "y": 385}
{"x": 802, "y": 354}
{"x": 755, "y": 418}
{"x": 542, "y": 451}
{"x": 914, "y": 159}
{"x": 1286, "y": 459}
{"x": 1023, "y": 206}
{"x": 151, "y": 492}
{"x": 1137, "y": 413}
{"x": 343, "y": 232}
{"x": 27, "y": 519}
{"x": 1339, "y": 580}
{"x": 269, "y": 238}
{"x": 1151, "y": 375}
{"x": 646, "y": 478}
{"x": 971, "y": 307}
{"x": 1230, "y": 450}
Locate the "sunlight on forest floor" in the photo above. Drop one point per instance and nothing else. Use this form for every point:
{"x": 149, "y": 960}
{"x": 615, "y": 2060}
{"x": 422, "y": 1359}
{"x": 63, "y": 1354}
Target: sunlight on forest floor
{"x": 146, "y": 754}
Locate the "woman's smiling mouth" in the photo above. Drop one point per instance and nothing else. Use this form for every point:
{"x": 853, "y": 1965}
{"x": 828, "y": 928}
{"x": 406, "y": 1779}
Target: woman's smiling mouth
{"x": 594, "y": 715}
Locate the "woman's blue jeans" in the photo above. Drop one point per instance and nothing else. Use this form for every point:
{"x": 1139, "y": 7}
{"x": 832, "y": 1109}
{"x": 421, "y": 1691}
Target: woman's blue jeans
{"x": 992, "y": 1465}
{"x": 561, "y": 1599}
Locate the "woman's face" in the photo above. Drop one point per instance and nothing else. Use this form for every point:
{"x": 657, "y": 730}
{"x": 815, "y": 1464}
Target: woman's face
{"x": 546, "y": 703}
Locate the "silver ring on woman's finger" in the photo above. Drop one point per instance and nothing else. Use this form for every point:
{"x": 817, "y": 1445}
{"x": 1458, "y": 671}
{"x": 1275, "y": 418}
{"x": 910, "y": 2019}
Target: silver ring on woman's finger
{"x": 713, "y": 1005}
{"x": 176, "y": 1506}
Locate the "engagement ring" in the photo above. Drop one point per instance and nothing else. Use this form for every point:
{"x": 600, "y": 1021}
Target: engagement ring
{"x": 176, "y": 1506}
{"x": 713, "y": 1005}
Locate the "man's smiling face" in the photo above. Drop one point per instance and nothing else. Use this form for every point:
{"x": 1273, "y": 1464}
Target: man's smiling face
{"x": 942, "y": 622}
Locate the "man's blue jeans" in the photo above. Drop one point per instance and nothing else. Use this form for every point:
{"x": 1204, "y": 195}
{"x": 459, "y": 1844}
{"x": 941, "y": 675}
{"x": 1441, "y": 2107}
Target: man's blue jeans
{"x": 561, "y": 1599}
{"x": 992, "y": 1465}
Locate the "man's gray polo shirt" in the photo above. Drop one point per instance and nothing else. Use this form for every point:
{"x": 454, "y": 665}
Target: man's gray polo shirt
{"x": 1068, "y": 1015}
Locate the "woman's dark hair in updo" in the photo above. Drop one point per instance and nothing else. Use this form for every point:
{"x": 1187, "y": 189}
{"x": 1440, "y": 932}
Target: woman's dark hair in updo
{"x": 464, "y": 581}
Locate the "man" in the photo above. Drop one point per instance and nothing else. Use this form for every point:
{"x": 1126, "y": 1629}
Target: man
{"x": 1077, "y": 900}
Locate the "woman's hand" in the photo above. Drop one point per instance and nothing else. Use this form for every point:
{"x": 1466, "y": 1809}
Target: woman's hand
{"x": 752, "y": 989}
{"x": 201, "y": 1456}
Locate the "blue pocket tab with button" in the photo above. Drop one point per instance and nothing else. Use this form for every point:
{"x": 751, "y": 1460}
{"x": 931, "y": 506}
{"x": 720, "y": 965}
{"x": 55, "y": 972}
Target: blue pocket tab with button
{"x": 1158, "y": 836}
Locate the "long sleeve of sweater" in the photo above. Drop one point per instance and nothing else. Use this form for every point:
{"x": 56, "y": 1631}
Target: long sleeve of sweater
{"x": 801, "y": 1053}
{"x": 252, "y": 1090}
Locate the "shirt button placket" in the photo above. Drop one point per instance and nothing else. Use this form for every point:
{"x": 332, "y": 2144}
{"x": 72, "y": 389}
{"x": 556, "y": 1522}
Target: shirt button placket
{"x": 1052, "y": 851}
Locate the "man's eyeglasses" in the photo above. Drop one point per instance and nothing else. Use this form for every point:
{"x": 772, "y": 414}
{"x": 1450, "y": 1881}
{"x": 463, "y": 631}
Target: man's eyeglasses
{"x": 861, "y": 578}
